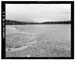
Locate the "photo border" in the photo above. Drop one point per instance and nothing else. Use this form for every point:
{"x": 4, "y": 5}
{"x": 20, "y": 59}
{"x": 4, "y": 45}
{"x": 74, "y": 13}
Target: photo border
{"x": 35, "y": 2}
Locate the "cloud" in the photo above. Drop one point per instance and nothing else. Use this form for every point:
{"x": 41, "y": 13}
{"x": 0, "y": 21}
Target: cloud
{"x": 39, "y": 12}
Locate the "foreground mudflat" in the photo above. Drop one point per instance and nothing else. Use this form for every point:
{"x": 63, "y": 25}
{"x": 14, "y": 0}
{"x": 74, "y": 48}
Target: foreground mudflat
{"x": 49, "y": 40}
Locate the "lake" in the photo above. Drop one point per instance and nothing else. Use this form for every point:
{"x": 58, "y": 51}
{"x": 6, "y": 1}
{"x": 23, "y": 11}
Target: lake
{"x": 53, "y": 37}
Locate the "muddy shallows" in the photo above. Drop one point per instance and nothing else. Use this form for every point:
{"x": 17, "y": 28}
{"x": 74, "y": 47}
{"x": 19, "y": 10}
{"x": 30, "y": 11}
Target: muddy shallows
{"x": 38, "y": 41}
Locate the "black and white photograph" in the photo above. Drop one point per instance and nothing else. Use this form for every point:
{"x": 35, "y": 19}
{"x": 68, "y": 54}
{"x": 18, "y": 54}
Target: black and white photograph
{"x": 37, "y": 30}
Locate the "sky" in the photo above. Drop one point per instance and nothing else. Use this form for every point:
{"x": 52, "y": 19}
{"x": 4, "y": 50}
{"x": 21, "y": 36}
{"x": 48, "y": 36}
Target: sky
{"x": 38, "y": 12}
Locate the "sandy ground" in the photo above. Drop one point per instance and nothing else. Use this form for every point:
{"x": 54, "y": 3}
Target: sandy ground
{"x": 51, "y": 40}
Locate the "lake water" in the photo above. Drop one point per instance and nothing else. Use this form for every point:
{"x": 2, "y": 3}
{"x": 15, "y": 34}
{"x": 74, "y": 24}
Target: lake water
{"x": 52, "y": 39}
{"x": 56, "y": 30}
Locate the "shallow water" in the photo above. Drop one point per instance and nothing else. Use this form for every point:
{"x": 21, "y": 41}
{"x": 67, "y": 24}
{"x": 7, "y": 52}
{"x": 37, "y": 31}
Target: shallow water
{"x": 40, "y": 28}
{"x": 48, "y": 37}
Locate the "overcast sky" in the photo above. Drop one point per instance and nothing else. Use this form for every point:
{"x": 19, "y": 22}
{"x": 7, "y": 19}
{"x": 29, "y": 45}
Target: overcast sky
{"x": 38, "y": 12}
